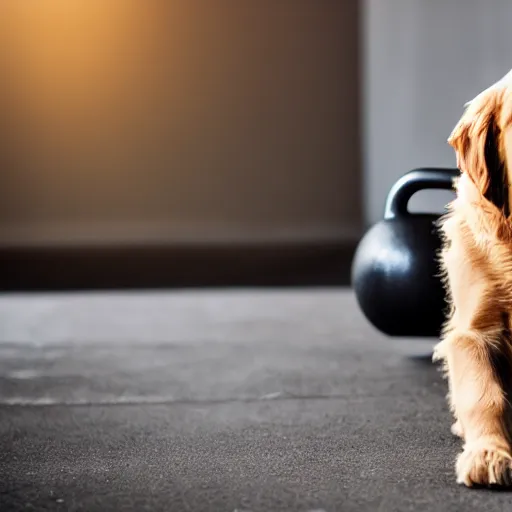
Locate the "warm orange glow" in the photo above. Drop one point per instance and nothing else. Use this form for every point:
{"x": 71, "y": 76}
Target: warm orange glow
{"x": 74, "y": 54}
{"x": 82, "y": 75}
{"x": 80, "y": 79}
{"x": 112, "y": 110}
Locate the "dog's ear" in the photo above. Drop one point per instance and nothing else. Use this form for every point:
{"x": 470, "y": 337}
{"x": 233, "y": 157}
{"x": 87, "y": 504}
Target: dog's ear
{"x": 476, "y": 140}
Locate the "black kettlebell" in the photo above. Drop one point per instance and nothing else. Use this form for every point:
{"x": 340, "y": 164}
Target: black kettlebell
{"x": 395, "y": 270}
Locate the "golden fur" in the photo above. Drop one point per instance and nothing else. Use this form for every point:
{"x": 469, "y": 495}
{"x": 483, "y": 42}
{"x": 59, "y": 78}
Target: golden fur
{"x": 476, "y": 346}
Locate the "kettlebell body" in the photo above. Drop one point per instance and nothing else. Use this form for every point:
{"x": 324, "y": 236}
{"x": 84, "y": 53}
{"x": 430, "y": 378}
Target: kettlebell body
{"x": 395, "y": 270}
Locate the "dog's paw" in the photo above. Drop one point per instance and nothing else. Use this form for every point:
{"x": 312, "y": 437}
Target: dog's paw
{"x": 484, "y": 466}
{"x": 457, "y": 430}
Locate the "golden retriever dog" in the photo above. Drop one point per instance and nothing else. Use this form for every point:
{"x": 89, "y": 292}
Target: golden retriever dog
{"x": 476, "y": 260}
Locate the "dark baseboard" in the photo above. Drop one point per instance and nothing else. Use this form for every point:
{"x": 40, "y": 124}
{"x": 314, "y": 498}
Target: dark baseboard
{"x": 143, "y": 267}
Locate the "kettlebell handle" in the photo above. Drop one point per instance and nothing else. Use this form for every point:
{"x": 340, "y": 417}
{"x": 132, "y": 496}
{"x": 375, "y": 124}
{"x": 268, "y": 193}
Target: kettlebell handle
{"x": 414, "y": 181}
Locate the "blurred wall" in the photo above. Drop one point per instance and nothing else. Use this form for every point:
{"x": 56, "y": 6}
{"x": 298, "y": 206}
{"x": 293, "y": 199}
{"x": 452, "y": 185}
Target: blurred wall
{"x": 423, "y": 60}
{"x": 179, "y": 120}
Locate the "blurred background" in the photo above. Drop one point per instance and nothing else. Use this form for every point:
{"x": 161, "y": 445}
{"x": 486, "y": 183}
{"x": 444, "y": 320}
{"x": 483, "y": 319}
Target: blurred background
{"x": 186, "y": 143}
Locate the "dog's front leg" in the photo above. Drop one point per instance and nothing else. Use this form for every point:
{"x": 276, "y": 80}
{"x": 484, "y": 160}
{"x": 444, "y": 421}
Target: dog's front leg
{"x": 479, "y": 404}
{"x": 475, "y": 352}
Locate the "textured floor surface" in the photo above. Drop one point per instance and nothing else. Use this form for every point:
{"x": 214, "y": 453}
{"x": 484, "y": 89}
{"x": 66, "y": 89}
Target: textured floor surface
{"x": 220, "y": 401}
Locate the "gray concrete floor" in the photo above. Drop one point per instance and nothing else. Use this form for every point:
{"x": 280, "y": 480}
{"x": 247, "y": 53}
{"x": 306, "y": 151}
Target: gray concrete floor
{"x": 220, "y": 401}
